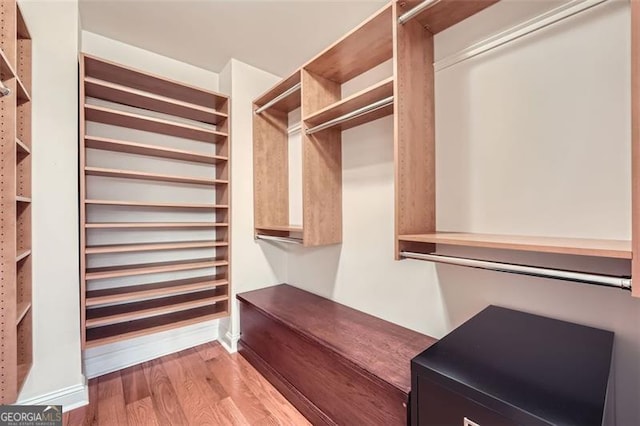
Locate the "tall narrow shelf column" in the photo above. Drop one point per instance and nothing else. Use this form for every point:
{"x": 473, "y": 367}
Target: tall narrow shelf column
{"x": 142, "y": 275}
{"x": 16, "y": 351}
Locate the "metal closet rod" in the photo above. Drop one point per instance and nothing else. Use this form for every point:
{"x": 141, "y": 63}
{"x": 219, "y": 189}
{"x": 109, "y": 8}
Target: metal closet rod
{"x": 623, "y": 283}
{"x": 278, "y": 98}
{"x": 407, "y": 16}
{"x": 353, "y": 114}
{"x": 288, "y": 240}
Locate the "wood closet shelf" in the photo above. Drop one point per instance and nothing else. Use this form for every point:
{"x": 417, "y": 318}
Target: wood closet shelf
{"x": 23, "y": 309}
{"x": 22, "y": 148}
{"x": 122, "y": 75}
{"x": 129, "y": 248}
{"x": 22, "y": 254}
{"x": 114, "y": 314}
{"x": 118, "y": 332}
{"x": 106, "y": 144}
{"x": 447, "y": 13}
{"x": 571, "y": 246}
{"x": 156, "y": 205}
{"x": 152, "y": 268}
{"x": 368, "y": 45}
{"x": 137, "y": 98}
{"x": 130, "y": 174}
{"x": 148, "y": 291}
{"x": 23, "y": 199}
{"x": 23, "y": 93}
{"x": 6, "y": 70}
{"x": 154, "y": 225}
{"x": 151, "y": 124}
{"x": 376, "y": 92}
{"x": 276, "y": 228}
{"x": 287, "y": 104}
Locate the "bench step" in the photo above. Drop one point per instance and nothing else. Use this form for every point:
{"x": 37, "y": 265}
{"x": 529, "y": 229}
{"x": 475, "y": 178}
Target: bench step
{"x": 337, "y": 365}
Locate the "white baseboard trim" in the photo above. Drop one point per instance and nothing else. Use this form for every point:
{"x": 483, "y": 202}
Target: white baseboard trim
{"x": 70, "y": 398}
{"x": 106, "y": 359}
{"x": 230, "y": 342}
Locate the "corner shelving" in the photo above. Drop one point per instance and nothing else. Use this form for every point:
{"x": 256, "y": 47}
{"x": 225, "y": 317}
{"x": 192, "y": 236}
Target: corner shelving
{"x": 16, "y": 352}
{"x": 115, "y": 310}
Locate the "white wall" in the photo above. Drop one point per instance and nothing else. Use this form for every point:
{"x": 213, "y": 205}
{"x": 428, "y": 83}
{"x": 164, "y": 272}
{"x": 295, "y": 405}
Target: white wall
{"x": 532, "y": 138}
{"x": 56, "y": 324}
{"x": 254, "y": 264}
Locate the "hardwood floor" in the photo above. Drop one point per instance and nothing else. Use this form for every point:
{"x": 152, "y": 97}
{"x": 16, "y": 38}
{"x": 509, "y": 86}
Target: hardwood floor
{"x": 200, "y": 386}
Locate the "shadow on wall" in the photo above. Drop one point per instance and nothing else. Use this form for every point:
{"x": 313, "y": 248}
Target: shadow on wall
{"x": 322, "y": 264}
{"x": 467, "y": 291}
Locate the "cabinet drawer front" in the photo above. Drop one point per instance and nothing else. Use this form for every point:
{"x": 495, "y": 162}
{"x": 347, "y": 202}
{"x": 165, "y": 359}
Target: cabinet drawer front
{"x": 438, "y": 406}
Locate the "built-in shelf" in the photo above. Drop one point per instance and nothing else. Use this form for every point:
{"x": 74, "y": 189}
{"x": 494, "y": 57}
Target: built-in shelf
{"x": 368, "y": 45}
{"x": 22, "y": 148}
{"x": 118, "y": 332}
{"x": 114, "y": 314}
{"x": 156, "y": 205}
{"x": 571, "y": 246}
{"x": 286, "y": 104}
{"x": 128, "y": 248}
{"x": 149, "y": 101}
{"x": 151, "y": 268}
{"x": 23, "y": 93}
{"x": 445, "y": 13}
{"x": 130, "y": 174}
{"x": 106, "y": 144}
{"x": 376, "y": 92}
{"x": 151, "y": 124}
{"x": 155, "y": 225}
{"x": 6, "y": 70}
{"x": 149, "y": 291}
{"x": 290, "y": 228}
{"x": 21, "y": 312}
{"x": 23, "y": 254}
{"x": 23, "y": 199}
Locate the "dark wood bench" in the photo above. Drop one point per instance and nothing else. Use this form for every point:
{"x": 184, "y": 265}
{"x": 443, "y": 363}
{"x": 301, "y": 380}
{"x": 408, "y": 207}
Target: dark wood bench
{"x": 337, "y": 365}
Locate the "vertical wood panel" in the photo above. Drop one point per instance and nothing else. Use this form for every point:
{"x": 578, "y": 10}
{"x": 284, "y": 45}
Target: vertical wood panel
{"x": 414, "y": 128}
{"x": 82, "y": 152}
{"x": 635, "y": 143}
{"x": 321, "y": 167}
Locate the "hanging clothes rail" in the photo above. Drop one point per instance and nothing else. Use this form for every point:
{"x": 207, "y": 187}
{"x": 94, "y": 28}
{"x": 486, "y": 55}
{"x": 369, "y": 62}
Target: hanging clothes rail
{"x": 353, "y": 114}
{"x": 278, "y": 98}
{"x": 406, "y": 17}
{"x": 288, "y": 240}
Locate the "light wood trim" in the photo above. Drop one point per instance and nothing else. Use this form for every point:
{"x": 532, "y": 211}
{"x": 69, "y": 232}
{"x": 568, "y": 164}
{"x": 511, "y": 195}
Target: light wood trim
{"x": 117, "y": 333}
{"x": 446, "y": 13}
{"x": 635, "y": 145}
{"x": 366, "y": 46}
{"x": 152, "y": 268}
{"x": 154, "y": 225}
{"x": 270, "y": 168}
{"x": 23, "y": 309}
{"x": 22, "y": 254}
{"x": 124, "y": 95}
{"x": 22, "y": 148}
{"x": 414, "y": 130}
{"x": 130, "y": 174}
{"x": 106, "y": 144}
{"x": 151, "y": 124}
{"x": 128, "y": 248}
{"x": 287, "y": 104}
{"x": 23, "y": 199}
{"x": 573, "y": 246}
{"x": 376, "y": 92}
{"x": 155, "y": 205}
{"x": 147, "y": 291}
{"x": 105, "y": 70}
{"x": 321, "y": 167}
{"x": 148, "y": 309}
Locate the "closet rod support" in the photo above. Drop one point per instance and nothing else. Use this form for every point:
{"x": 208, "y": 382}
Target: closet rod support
{"x": 278, "y": 98}
{"x": 353, "y": 114}
{"x": 623, "y": 283}
{"x": 288, "y": 240}
{"x": 407, "y": 16}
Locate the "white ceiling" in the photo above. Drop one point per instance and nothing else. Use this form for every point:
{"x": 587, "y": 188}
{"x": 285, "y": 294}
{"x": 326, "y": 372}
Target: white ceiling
{"x": 276, "y": 36}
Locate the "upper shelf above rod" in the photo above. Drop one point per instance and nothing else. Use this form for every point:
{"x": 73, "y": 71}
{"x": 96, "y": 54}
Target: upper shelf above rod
{"x": 277, "y": 99}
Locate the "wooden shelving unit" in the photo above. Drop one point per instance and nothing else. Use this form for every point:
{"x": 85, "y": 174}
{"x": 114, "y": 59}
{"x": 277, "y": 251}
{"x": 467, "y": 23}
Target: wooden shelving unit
{"x": 142, "y": 101}
{"x": 16, "y": 355}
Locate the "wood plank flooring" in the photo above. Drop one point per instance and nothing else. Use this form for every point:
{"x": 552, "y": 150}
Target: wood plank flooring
{"x": 204, "y": 385}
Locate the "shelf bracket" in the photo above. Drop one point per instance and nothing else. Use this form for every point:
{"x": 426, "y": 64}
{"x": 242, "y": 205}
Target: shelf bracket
{"x": 623, "y": 283}
{"x": 288, "y": 240}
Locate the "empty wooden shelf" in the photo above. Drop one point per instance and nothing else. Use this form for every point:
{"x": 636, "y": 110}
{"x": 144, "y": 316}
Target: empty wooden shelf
{"x": 22, "y": 148}
{"x": 152, "y": 268}
{"x": 149, "y": 291}
{"x": 22, "y": 254}
{"x": 190, "y": 115}
{"x": 288, "y": 92}
{"x": 150, "y": 150}
{"x": 438, "y": 17}
{"x": 23, "y": 199}
{"x": 23, "y": 308}
{"x": 151, "y": 124}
